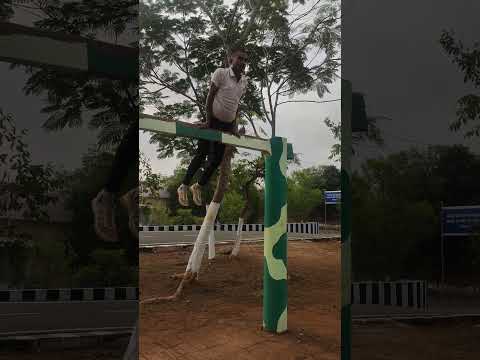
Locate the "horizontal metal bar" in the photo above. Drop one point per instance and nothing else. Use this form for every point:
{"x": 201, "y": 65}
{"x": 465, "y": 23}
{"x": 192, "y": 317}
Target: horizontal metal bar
{"x": 35, "y": 47}
{"x": 178, "y": 128}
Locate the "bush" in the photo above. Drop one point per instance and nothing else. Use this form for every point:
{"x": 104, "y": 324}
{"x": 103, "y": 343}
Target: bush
{"x": 109, "y": 268}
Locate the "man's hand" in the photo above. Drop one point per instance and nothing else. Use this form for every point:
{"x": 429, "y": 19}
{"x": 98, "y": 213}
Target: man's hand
{"x": 238, "y": 132}
{"x": 200, "y": 125}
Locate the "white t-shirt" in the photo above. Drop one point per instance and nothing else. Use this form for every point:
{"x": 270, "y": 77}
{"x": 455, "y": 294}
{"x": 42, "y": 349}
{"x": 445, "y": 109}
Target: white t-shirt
{"x": 225, "y": 103}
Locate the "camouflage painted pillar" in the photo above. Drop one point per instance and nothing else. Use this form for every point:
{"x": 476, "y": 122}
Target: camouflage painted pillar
{"x": 275, "y": 239}
{"x": 346, "y": 146}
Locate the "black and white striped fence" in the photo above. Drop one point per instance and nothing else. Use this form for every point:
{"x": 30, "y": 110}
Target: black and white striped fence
{"x": 299, "y": 228}
{"x": 404, "y": 293}
{"x": 64, "y": 295}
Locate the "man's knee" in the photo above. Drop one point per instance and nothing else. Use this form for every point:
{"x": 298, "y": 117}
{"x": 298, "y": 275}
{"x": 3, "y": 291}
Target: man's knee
{"x": 213, "y": 163}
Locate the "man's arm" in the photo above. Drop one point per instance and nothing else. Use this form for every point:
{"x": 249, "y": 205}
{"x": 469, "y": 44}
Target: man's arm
{"x": 236, "y": 131}
{"x": 211, "y": 95}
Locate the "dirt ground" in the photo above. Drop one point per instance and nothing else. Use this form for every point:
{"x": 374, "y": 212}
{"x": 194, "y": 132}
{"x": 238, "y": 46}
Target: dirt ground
{"x": 220, "y": 316}
{"x": 400, "y": 341}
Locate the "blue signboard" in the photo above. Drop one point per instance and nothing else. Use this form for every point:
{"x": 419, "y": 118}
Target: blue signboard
{"x": 460, "y": 220}
{"x": 333, "y": 197}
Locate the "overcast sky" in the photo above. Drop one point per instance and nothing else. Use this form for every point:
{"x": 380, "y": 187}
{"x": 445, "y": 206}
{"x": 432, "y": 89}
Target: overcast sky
{"x": 391, "y": 52}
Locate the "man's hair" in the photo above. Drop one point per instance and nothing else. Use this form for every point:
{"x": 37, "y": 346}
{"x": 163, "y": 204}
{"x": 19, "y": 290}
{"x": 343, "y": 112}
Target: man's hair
{"x": 234, "y": 50}
{"x": 231, "y": 52}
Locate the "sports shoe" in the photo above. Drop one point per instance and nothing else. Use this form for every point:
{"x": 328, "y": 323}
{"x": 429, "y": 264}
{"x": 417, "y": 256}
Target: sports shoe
{"x": 182, "y": 192}
{"x": 103, "y": 206}
{"x": 196, "y": 190}
{"x": 130, "y": 201}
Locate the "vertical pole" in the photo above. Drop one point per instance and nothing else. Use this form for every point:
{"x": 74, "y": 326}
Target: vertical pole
{"x": 275, "y": 239}
{"x": 346, "y": 150}
{"x": 325, "y": 207}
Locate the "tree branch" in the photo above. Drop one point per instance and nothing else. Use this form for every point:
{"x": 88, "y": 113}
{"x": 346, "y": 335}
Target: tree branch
{"x": 249, "y": 26}
{"x": 207, "y": 11}
{"x": 250, "y": 120}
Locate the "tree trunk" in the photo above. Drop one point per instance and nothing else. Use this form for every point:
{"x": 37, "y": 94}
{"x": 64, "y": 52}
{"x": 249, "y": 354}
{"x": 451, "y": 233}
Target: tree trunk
{"x": 196, "y": 257}
{"x": 211, "y": 240}
{"x": 195, "y": 260}
{"x": 243, "y": 216}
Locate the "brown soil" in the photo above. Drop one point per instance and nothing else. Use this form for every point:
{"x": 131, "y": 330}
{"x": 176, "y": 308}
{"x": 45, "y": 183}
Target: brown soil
{"x": 400, "y": 341}
{"x": 220, "y": 316}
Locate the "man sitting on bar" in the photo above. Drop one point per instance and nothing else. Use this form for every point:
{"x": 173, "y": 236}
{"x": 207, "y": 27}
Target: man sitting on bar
{"x": 227, "y": 87}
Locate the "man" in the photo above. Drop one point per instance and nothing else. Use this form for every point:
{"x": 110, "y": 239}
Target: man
{"x": 227, "y": 87}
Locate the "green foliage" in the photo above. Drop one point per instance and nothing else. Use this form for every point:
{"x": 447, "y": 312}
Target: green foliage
{"x": 372, "y": 135}
{"x": 183, "y": 42}
{"x": 150, "y": 183}
{"x": 468, "y": 61}
{"x": 26, "y": 188}
{"x": 112, "y": 105}
{"x": 107, "y": 268}
{"x": 231, "y": 207}
{"x": 396, "y": 202}
{"x": 185, "y": 217}
{"x": 50, "y": 267}
{"x": 306, "y": 192}
{"x": 158, "y": 214}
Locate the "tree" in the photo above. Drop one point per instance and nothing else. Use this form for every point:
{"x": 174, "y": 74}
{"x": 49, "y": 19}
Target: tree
{"x": 149, "y": 181}
{"x": 468, "y": 60}
{"x": 26, "y": 190}
{"x": 396, "y": 222}
{"x": 372, "y": 135}
{"x": 247, "y": 174}
{"x": 182, "y": 43}
{"x": 306, "y": 191}
{"x": 112, "y": 104}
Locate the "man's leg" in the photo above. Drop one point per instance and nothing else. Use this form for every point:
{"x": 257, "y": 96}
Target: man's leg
{"x": 215, "y": 158}
{"x": 104, "y": 203}
{"x": 195, "y": 164}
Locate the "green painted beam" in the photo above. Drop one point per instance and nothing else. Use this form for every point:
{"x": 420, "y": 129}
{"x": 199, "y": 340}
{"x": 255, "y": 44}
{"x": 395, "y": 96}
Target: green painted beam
{"x": 152, "y": 123}
{"x": 31, "y": 46}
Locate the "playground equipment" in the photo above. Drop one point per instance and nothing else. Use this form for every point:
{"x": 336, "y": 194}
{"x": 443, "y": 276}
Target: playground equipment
{"x": 275, "y": 227}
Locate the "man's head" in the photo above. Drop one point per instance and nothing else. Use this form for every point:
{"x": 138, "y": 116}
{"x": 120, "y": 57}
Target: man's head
{"x": 238, "y": 59}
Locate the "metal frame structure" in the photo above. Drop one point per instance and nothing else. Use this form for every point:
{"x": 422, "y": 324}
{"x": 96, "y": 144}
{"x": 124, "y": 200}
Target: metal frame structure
{"x": 277, "y": 149}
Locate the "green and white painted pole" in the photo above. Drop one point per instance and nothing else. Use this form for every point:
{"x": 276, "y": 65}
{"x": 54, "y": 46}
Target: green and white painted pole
{"x": 275, "y": 239}
{"x": 346, "y": 139}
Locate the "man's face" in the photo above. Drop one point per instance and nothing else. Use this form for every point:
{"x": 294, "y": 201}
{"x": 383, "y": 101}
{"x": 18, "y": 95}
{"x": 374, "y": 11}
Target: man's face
{"x": 239, "y": 61}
